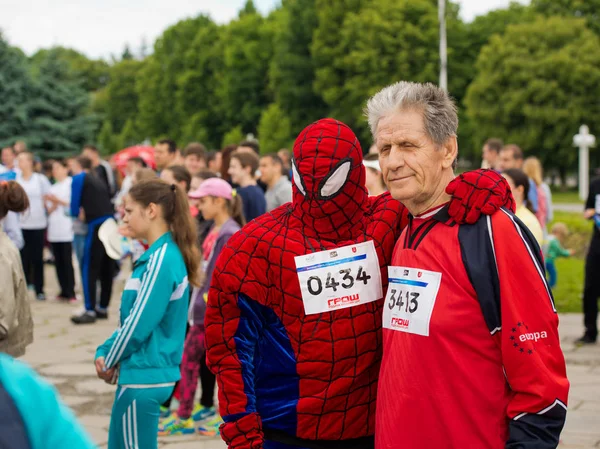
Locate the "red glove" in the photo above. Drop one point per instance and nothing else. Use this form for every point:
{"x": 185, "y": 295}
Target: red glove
{"x": 478, "y": 192}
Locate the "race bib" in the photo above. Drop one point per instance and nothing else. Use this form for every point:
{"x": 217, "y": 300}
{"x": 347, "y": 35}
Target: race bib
{"x": 410, "y": 299}
{"x": 339, "y": 278}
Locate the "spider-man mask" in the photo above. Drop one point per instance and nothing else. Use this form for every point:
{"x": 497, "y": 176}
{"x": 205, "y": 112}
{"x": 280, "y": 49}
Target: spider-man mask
{"x": 329, "y": 178}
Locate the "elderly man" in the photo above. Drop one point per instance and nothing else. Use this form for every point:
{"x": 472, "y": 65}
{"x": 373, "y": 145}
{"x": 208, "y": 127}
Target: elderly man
{"x": 472, "y": 357}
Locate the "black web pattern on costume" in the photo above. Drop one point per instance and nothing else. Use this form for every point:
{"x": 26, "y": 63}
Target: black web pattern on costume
{"x": 338, "y": 352}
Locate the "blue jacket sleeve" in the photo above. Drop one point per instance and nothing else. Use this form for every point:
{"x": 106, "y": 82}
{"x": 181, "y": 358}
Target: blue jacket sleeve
{"x": 76, "y": 192}
{"x": 54, "y": 426}
{"x": 532, "y": 195}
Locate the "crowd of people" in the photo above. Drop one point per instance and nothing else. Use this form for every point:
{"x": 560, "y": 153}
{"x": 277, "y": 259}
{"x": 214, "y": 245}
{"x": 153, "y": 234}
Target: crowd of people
{"x": 283, "y": 277}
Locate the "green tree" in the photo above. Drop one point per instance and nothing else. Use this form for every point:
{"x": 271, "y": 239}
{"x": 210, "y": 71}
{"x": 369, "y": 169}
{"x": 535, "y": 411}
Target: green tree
{"x": 92, "y": 74}
{"x": 386, "y": 41}
{"x": 587, "y": 9}
{"x": 107, "y": 140}
{"x": 233, "y": 136}
{"x": 15, "y": 89}
{"x": 292, "y": 70}
{"x": 120, "y": 100}
{"x": 465, "y": 41}
{"x": 59, "y": 122}
{"x": 156, "y": 83}
{"x": 536, "y": 85}
{"x": 274, "y": 129}
{"x": 196, "y": 98}
{"x": 328, "y": 50}
{"x": 243, "y": 83}
{"x": 126, "y": 55}
{"x": 128, "y": 135}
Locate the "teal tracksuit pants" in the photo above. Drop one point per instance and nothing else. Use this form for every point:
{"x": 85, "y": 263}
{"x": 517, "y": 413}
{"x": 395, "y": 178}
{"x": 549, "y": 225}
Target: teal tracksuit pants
{"x": 134, "y": 418}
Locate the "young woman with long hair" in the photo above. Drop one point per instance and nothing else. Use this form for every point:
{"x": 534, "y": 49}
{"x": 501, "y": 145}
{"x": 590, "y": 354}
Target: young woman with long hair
{"x": 519, "y": 184}
{"x": 144, "y": 354}
{"x": 219, "y": 203}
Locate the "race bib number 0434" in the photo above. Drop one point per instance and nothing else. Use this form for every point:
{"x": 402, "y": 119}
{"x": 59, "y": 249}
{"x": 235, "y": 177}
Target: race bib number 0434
{"x": 339, "y": 278}
{"x": 410, "y": 299}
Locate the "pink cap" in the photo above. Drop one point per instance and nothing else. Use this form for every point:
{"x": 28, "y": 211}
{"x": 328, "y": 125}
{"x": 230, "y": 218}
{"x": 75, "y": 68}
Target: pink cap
{"x": 213, "y": 187}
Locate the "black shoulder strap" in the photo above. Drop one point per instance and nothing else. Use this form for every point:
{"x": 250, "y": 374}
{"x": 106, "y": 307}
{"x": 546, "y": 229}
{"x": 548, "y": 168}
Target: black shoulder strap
{"x": 477, "y": 251}
{"x": 13, "y": 433}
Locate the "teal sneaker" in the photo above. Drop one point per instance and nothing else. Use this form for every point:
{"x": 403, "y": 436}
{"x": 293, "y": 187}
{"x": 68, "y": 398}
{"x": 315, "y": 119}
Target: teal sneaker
{"x": 201, "y": 413}
{"x": 165, "y": 412}
{"x": 176, "y": 426}
{"x": 210, "y": 427}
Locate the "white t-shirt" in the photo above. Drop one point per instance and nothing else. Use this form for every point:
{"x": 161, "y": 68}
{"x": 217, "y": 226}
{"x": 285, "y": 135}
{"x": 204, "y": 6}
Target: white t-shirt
{"x": 60, "y": 224}
{"x": 36, "y": 187}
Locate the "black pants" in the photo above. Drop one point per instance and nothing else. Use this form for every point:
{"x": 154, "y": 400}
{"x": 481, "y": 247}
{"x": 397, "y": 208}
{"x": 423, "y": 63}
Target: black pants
{"x": 207, "y": 381}
{"x": 591, "y": 291}
{"x": 99, "y": 267}
{"x": 32, "y": 257}
{"x": 63, "y": 261}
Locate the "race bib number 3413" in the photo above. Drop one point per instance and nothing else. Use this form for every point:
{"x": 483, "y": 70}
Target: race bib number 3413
{"x": 410, "y": 299}
{"x": 339, "y": 278}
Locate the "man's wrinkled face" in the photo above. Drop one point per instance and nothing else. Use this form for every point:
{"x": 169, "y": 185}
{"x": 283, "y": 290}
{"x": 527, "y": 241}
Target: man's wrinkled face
{"x": 410, "y": 161}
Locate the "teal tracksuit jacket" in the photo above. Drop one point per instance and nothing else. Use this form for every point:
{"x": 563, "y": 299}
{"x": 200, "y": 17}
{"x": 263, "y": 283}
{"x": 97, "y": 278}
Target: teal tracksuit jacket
{"x": 148, "y": 345}
{"x": 32, "y": 416}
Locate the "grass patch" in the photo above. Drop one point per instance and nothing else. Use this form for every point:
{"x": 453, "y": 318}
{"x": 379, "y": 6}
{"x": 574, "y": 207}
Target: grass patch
{"x": 569, "y": 288}
{"x": 569, "y": 196}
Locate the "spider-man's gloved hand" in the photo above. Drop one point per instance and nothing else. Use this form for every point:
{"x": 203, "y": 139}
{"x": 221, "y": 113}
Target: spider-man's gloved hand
{"x": 478, "y": 192}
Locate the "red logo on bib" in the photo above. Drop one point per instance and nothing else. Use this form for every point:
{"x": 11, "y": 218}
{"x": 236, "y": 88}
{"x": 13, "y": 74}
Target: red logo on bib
{"x": 400, "y": 322}
{"x": 419, "y": 274}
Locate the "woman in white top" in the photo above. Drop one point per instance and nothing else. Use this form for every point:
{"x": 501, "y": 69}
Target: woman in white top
{"x": 33, "y": 222}
{"x": 60, "y": 229}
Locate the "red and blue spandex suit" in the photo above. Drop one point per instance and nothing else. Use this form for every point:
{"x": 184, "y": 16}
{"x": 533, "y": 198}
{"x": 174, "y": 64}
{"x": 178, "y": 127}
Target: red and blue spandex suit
{"x": 290, "y": 379}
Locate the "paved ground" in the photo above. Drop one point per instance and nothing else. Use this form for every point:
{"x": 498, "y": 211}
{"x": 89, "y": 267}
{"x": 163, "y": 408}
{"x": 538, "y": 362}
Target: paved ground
{"x": 64, "y": 354}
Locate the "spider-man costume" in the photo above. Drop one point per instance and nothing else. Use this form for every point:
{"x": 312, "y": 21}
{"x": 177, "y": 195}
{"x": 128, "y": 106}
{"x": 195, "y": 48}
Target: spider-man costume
{"x": 288, "y": 378}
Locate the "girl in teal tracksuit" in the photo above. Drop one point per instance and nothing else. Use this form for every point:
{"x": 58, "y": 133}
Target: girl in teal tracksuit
{"x": 143, "y": 355}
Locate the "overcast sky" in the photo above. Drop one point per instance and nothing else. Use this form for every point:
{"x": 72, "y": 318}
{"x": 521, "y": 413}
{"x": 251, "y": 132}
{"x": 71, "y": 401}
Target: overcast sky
{"x": 99, "y": 28}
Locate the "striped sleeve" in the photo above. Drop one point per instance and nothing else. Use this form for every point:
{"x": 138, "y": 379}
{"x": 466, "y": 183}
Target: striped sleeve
{"x": 158, "y": 285}
{"x": 531, "y": 355}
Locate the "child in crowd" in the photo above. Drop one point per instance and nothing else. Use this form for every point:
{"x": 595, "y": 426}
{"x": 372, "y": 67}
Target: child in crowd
{"x": 220, "y": 203}
{"x": 203, "y": 224}
{"x": 558, "y": 234}
{"x": 143, "y": 355}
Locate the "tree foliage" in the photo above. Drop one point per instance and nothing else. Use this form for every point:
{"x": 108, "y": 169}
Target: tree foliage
{"x": 156, "y": 83}
{"x": 92, "y": 74}
{"x": 16, "y": 87}
{"x": 292, "y": 70}
{"x": 274, "y": 129}
{"x": 58, "y": 121}
{"x": 242, "y": 92}
{"x": 536, "y": 85}
{"x": 586, "y": 9}
{"x": 521, "y": 71}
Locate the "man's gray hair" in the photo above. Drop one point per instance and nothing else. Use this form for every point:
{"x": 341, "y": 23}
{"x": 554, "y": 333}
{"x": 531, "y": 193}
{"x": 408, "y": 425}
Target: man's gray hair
{"x": 440, "y": 116}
